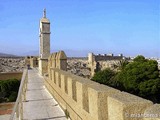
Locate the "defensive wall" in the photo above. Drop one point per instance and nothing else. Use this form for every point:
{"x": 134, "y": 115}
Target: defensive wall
{"x": 32, "y": 61}
{"x": 83, "y": 99}
{"x": 102, "y": 61}
{"x": 11, "y": 75}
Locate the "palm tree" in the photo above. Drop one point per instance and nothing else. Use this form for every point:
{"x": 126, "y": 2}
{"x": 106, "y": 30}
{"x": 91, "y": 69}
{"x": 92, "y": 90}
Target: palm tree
{"x": 120, "y": 65}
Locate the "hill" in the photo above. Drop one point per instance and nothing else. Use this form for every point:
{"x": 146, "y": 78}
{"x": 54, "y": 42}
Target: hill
{"x": 7, "y": 55}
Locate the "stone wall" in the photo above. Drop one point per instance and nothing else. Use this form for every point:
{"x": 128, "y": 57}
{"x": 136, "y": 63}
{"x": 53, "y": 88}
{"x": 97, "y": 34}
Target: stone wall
{"x": 32, "y": 61}
{"x": 11, "y": 75}
{"x": 27, "y": 60}
{"x": 84, "y": 99}
{"x": 100, "y": 62}
{"x": 43, "y": 66}
{"x": 44, "y": 36}
{"x": 57, "y": 60}
{"x": 102, "y": 57}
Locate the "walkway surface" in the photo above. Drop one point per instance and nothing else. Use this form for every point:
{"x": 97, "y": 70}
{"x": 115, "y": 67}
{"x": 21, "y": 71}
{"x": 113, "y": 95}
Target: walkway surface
{"x": 40, "y": 105}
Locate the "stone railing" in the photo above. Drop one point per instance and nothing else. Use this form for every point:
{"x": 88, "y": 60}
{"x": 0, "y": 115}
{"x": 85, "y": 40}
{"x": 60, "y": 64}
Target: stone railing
{"x": 17, "y": 112}
{"x": 83, "y": 99}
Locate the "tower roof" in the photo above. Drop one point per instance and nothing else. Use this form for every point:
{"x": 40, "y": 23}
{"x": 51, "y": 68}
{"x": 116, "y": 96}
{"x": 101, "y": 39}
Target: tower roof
{"x": 44, "y": 19}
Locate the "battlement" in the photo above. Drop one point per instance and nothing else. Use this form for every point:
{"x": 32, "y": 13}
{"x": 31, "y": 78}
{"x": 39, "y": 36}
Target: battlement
{"x": 58, "y": 60}
{"x": 83, "y": 99}
{"x": 103, "y": 57}
{"x": 32, "y": 61}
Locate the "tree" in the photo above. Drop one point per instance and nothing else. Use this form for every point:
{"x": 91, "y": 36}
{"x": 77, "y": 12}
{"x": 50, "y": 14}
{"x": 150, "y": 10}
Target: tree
{"x": 140, "y": 77}
{"x": 150, "y": 89}
{"x": 139, "y": 58}
{"x": 104, "y": 76}
{"x": 121, "y": 64}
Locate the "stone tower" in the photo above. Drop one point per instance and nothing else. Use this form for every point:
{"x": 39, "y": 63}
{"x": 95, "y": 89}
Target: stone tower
{"x": 44, "y": 37}
{"x": 44, "y": 34}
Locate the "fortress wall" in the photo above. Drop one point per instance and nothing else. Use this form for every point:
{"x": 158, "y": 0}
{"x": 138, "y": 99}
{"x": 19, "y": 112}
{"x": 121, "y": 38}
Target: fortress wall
{"x": 27, "y": 60}
{"x": 108, "y": 64}
{"x": 11, "y": 75}
{"x": 33, "y": 62}
{"x": 124, "y": 106}
{"x": 101, "y": 65}
{"x": 153, "y": 112}
{"x": 100, "y": 62}
{"x": 99, "y": 58}
{"x": 84, "y": 99}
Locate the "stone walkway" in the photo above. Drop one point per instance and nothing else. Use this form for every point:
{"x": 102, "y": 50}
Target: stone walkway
{"x": 40, "y": 105}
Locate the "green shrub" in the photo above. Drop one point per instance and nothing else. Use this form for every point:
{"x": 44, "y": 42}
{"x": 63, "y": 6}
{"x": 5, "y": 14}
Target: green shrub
{"x": 13, "y": 96}
{"x": 8, "y": 88}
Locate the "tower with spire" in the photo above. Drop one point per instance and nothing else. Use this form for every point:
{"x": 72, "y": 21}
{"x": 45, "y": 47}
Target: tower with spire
{"x": 44, "y": 34}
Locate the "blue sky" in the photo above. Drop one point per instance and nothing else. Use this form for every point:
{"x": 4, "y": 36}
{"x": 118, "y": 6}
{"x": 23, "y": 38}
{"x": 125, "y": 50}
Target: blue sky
{"x": 130, "y": 27}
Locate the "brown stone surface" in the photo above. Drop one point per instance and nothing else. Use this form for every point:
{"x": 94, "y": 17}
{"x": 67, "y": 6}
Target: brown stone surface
{"x": 152, "y": 113}
{"x": 6, "y": 108}
{"x": 125, "y": 106}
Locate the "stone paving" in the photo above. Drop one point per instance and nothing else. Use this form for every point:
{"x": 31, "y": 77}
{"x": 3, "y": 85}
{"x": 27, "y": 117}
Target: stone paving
{"x": 40, "y": 105}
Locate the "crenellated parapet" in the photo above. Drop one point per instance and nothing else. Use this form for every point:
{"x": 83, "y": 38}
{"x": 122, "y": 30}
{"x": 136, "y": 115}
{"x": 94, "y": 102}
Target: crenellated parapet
{"x": 84, "y": 99}
{"x": 57, "y": 60}
{"x": 102, "y": 57}
{"x": 32, "y": 61}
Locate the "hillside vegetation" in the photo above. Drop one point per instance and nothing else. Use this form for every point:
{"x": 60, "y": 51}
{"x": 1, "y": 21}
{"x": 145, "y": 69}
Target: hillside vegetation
{"x": 9, "y": 90}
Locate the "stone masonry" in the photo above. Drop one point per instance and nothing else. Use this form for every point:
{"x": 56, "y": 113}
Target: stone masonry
{"x": 44, "y": 43}
{"x": 44, "y": 37}
{"x": 83, "y": 99}
{"x": 100, "y": 62}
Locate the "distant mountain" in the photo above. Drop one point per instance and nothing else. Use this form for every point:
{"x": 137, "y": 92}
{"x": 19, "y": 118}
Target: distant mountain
{"x": 69, "y": 53}
{"x": 7, "y": 55}
{"x": 30, "y": 53}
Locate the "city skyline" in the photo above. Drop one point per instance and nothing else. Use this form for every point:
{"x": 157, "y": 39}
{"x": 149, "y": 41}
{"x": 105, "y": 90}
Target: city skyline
{"x": 117, "y": 26}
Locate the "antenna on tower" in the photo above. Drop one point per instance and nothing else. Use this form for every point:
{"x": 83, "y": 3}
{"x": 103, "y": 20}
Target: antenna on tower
{"x": 44, "y": 13}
